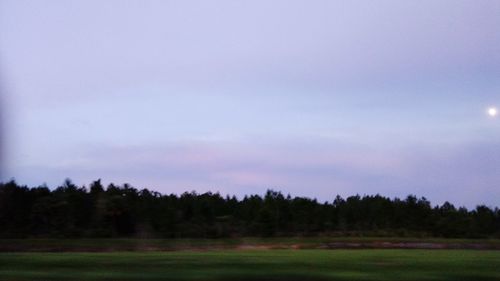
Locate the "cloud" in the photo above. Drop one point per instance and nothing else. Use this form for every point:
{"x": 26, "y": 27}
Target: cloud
{"x": 312, "y": 98}
{"x": 464, "y": 174}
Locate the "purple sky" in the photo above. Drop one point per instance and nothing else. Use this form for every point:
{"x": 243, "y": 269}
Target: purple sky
{"x": 313, "y": 98}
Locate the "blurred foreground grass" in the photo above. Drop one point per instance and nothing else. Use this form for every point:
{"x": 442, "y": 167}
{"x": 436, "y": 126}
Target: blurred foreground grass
{"x": 255, "y": 265}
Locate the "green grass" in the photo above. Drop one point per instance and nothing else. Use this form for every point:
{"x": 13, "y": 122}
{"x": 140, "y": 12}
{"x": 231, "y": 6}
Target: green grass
{"x": 291, "y": 265}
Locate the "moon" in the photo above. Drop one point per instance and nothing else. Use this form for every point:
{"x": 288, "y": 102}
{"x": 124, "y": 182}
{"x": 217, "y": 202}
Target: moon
{"x": 492, "y": 111}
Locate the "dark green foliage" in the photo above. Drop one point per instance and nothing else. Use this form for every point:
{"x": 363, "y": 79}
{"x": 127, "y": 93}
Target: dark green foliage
{"x": 123, "y": 211}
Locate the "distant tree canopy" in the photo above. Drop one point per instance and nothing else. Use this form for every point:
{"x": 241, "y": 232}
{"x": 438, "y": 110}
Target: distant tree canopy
{"x": 123, "y": 211}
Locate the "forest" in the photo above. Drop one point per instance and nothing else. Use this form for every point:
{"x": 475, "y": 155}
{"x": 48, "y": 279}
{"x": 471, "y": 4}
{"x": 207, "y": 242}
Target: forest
{"x": 71, "y": 211}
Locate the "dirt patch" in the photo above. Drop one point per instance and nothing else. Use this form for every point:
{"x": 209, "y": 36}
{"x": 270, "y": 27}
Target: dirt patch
{"x": 409, "y": 245}
{"x": 148, "y": 246}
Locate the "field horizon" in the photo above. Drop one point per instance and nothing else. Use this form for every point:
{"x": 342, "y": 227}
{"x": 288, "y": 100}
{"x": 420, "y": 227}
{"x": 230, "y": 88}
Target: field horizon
{"x": 248, "y": 243}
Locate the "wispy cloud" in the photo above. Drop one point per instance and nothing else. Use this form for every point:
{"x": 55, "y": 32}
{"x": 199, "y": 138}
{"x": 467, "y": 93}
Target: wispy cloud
{"x": 462, "y": 173}
{"x": 313, "y": 98}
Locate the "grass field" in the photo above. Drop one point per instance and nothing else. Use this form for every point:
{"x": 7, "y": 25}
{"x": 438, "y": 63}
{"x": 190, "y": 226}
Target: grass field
{"x": 255, "y": 265}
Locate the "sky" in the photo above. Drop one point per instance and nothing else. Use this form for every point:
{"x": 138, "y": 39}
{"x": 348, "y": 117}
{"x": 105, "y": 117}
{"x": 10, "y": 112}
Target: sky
{"x": 312, "y": 98}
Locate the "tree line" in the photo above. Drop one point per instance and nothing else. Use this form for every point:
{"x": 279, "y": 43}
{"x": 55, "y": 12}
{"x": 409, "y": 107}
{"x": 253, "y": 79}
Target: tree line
{"x": 124, "y": 211}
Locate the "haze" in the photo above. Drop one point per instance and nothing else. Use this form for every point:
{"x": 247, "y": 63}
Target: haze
{"x": 312, "y": 98}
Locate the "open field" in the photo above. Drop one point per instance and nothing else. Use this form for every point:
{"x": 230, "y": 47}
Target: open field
{"x": 319, "y": 258}
{"x": 415, "y": 265}
{"x": 110, "y": 245}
